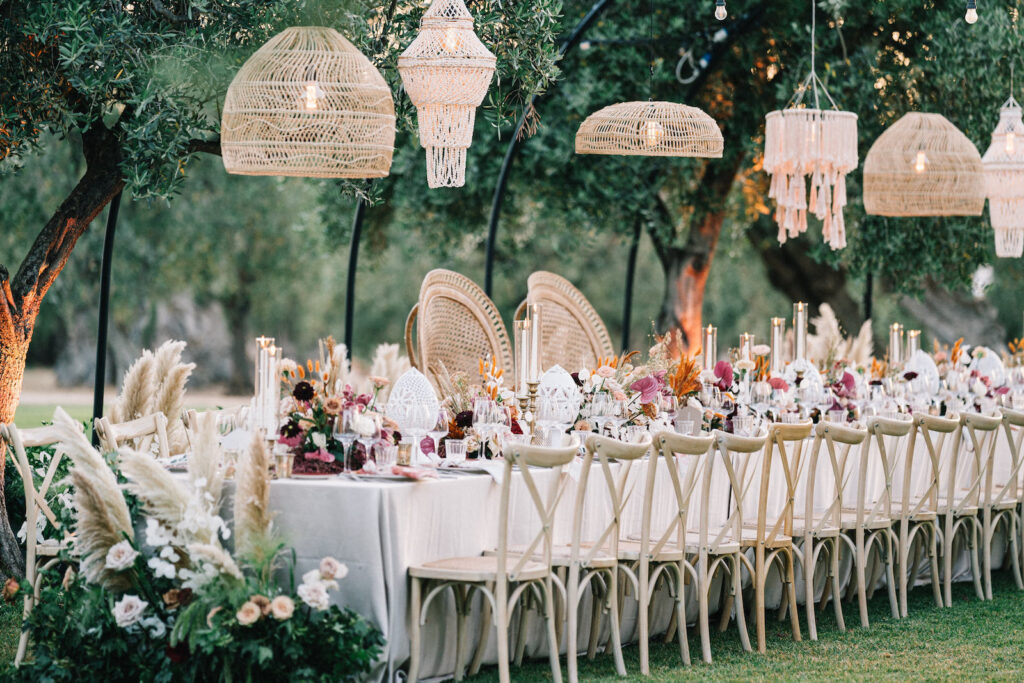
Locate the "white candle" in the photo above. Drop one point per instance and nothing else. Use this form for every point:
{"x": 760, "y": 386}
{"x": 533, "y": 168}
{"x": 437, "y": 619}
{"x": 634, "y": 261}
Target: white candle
{"x": 913, "y": 342}
{"x": 800, "y": 330}
{"x": 778, "y": 337}
{"x": 746, "y": 346}
{"x": 710, "y": 347}
{"x": 895, "y": 344}
{"x": 522, "y": 341}
{"x": 533, "y": 313}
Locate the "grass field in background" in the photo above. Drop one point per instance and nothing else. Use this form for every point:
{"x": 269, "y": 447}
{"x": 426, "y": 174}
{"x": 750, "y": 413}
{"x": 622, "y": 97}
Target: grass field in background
{"x": 28, "y": 416}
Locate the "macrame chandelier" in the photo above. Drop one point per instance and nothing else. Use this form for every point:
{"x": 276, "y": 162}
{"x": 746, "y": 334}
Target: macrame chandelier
{"x": 1004, "y": 181}
{"x": 664, "y": 129}
{"x": 309, "y": 104}
{"x": 810, "y": 148}
{"x": 446, "y": 70}
{"x": 922, "y": 165}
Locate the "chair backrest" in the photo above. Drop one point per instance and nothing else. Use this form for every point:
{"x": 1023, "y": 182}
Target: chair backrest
{"x": 35, "y": 496}
{"x": 606, "y": 450}
{"x": 1013, "y": 433}
{"x": 572, "y": 333}
{"x": 527, "y": 456}
{"x": 685, "y": 459}
{"x": 932, "y": 440}
{"x": 140, "y": 433}
{"x": 741, "y": 457}
{"x": 780, "y": 470}
{"x": 824, "y": 482}
{"x": 456, "y": 325}
{"x": 882, "y": 455}
{"x": 971, "y": 479}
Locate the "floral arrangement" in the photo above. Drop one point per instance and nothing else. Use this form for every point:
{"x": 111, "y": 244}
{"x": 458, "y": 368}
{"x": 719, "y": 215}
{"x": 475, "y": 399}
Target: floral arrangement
{"x": 159, "y": 597}
{"x": 459, "y": 393}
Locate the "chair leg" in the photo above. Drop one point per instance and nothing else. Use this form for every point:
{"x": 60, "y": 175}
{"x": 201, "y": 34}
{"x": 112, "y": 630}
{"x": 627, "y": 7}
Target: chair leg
{"x": 759, "y": 581}
{"x": 809, "y": 563}
{"x": 549, "y": 617}
{"x": 947, "y": 559}
{"x": 890, "y": 578}
{"x": 462, "y": 602}
{"x": 414, "y": 629}
{"x": 703, "y": 588}
{"x": 524, "y": 626}
{"x": 642, "y": 617}
{"x": 860, "y": 561}
{"x": 904, "y": 558}
{"x": 794, "y": 615}
{"x": 485, "y": 636}
{"x": 596, "y": 608}
{"x": 560, "y": 609}
{"x": 613, "y": 614}
{"x": 501, "y": 624}
{"x": 1014, "y": 549}
{"x": 684, "y": 644}
{"x": 987, "y": 532}
{"x": 571, "y": 609}
{"x": 837, "y": 604}
{"x": 974, "y": 528}
{"x": 737, "y": 590}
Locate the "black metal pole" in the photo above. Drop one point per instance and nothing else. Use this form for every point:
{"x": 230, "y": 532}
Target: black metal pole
{"x": 101, "y": 334}
{"x": 869, "y": 281}
{"x": 506, "y": 165}
{"x": 627, "y": 305}
{"x": 353, "y": 261}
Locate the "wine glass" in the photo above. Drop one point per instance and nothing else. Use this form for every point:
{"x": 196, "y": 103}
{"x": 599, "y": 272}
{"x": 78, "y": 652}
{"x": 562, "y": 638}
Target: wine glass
{"x": 421, "y": 418}
{"x": 439, "y": 428}
{"x": 600, "y": 407}
{"x": 619, "y": 416}
{"x": 546, "y": 417}
{"x": 483, "y": 421}
{"x": 368, "y": 433}
{"x": 668, "y": 404}
{"x": 344, "y": 432}
{"x": 502, "y": 424}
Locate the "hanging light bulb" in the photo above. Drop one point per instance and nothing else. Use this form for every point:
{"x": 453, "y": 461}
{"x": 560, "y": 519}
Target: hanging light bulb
{"x": 972, "y": 12}
{"x": 452, "y": 40}
{"x": 921, "y": 163}
{"x": 721, "y": 13}
{"x": 311, "y": 96}
{"x": 1010, "y": 142}
{"x": 653, "y": 133}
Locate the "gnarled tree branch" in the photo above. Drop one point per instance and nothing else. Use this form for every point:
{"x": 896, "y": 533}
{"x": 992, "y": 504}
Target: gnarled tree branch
{"x": 206, "y": 146}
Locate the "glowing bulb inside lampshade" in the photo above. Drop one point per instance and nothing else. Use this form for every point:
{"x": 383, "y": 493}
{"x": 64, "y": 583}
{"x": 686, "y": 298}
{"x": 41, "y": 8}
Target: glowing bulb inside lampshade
{"x": 720, "y": 11}
{"x": 972, "y": 12}
{"x": 653, "y": 133}
{"x": 452, "y": 40}
{"x": 921, "y": 162}
{"x": 1010, "y": 142}
{"x": 311, "y": 96}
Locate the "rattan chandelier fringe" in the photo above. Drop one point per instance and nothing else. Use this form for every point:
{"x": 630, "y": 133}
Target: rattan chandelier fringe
{"x": 923, "y": 165}
{"x": 308, "y": 103}
{"x": 446, "y": 71}
{"x": 666, "y": 129}
{"x": 1004, "y": 181}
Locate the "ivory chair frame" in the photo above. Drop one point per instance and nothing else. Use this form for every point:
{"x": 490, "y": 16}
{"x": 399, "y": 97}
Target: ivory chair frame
{"x": 571, "y": 310}
{"x": 999, "y": 504}
{"x": 1013, "y": 430}
{"x": 711, "y": 549}
{"x": 493, "y": 574}
{"x": 772, "y": 540}
{"x": 141, "y": 432}
{"x": 654, "y": 556}
{"x": 38, "y": 556}
{"x": 820, "y": 531}
{"x": 870, "y": 521}
{"x": 915, "y": 512}
{"x": 457, "y": 289}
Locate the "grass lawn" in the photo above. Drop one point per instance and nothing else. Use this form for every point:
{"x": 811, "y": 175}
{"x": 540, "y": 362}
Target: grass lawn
{"x": 980, "y": 640}
{"x": 28, "y": 416}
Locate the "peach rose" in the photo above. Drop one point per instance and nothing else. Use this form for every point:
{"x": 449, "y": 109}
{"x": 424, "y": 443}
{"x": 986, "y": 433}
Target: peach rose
{"x": 282, "y": 607}
{"x": 249, "y": 613}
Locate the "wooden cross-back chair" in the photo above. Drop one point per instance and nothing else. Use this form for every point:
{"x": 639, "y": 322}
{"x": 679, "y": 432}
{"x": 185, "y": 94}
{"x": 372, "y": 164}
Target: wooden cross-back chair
{"x": 962, "y": 470}
{"x": 819, "y": 526}
{"x": 572, "y": 333}
{"x": 712, "y": 535}
{"x": 1003, "y": 497}
{"x": 501, "y": 577}
{"x": 768, "y": 535}
{"x": 141, "y": 434}
{"x": 456, "y": 324}
{"x": 915, "y": 502}
{"x": 39, "y": 556}
{"x": 867, "y": 512}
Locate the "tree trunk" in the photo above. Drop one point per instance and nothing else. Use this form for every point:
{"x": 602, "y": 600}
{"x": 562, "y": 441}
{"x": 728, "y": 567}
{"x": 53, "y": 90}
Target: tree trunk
{"x": 21, "y": 297}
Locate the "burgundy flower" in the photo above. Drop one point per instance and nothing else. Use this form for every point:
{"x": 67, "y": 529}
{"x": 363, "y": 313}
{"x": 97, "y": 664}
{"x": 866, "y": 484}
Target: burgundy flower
{"x": 1003, "y": 390}
{"x": 464, "y": 420}
{"x": 778, "y": 383}
{"x": 911, "y": 375}
{"x": 576, "y": 378}
{"x": 427, "y": 445}
{"x": 723, "y": 371}
{"x": 516, "y": 428}
{"x": 648, "y": 387}
{"x": 303, "y": 391}
{"x": 178, "y": 653}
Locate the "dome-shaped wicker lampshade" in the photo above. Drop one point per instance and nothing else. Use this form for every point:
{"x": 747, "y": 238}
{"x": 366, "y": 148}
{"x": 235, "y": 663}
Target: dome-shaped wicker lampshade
{"x": 652, "y": 129}
{"x": 446, "y": 72}
{"x": 922, "y": 165}
{"x": 1004, "y": 181}
{"x": 309, "y": 104}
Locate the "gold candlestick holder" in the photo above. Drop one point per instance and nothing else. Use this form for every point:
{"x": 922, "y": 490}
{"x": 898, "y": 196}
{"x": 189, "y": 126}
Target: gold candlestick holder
{"x": 532, "y": 406}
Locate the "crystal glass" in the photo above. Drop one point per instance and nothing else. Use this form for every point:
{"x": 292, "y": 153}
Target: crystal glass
{"x": 635, "y": 434}
{"x": 546, "y": 417}
{"x": 668, "y": 404}
{"x": 743, "y": 425}
{"x": 837, "y": 416}
{"x": 791, "y": 418}
{"x": 619, "y": 416}
{"x": 455, "y": 451}
{"x": 600, "y": 411}
{"x": 439, "y": 428}
{"x": 387, "y": 455}
{"x": 368, "y": 431}
{"x": 345, "y": 433}
{"x": 684, "y": 427}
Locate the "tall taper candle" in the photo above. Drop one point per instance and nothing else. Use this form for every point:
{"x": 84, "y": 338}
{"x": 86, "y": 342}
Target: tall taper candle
{"x": 799, "y": 330}
{"x": 778, "y": 342}
{"x": 522, "y": 340}
{"x": 746, "y": 346}
{"x": 913, "y": 342}
{"x": 710, "y": 347}
{"x": 895, "y": 344}
{"x": 533, "y": 313}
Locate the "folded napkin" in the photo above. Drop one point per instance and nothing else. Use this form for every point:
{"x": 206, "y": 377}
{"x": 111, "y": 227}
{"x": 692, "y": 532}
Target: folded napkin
{"x": 416, "y": 473}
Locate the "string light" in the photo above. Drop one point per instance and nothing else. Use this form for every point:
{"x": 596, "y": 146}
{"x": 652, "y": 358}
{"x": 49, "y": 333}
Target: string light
{"x": 921, "y": 163}
{"x": 311, "y": 96}
{"x": 721, "y": 13}
{"x": 452, "y": 40}
{"x": 653, "y": 133}
{"x": 972, "y": 12}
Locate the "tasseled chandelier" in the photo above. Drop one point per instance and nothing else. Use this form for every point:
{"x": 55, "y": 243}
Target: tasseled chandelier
{"x": 810, "y": 146}
{"x": 1004, "y": 181}
{"x": 446, "y": 70}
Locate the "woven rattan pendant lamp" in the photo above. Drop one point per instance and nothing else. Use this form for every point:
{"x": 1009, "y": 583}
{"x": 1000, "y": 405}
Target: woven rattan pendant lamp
{"x": 309, "y": 104}
{"x": 809, "y": 146}
{"x": 446, "y": 70}
{"x": 922, "y": 165}
{"x": 1004, "y": 181}
{"x": 652, "y": 129}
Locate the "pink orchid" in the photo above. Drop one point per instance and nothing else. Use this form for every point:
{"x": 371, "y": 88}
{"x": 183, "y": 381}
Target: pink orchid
{"x": 723, "y": 371}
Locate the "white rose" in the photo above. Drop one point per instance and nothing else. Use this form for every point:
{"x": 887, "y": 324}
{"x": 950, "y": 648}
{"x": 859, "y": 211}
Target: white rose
{"x": 161, "y": 569}
{"x": 979, "y": 387}
{"x": 362, "y": 425}
{"x": 330, "y": 568}
{"x": 319, "y": 439}
{"x": 312, "y": 576}
{"x": 121, "y": 556}
{"x": 315, "y": 595}
{"x": 128, "y": 610}
{"x": 282, "y": 607}
{"x": 745, "y": 364}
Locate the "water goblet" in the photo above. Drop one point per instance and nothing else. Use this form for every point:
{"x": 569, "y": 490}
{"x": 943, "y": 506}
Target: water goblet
{"x": 345, "y": 434}
{"x": 439, "y": 428}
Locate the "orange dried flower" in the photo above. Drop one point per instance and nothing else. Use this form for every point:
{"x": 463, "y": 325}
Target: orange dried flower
{"x": 684, "y": 380}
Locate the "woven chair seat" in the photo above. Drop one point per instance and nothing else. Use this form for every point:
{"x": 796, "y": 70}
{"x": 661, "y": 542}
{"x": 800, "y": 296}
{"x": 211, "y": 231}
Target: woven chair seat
{"x": 478, "y": 568}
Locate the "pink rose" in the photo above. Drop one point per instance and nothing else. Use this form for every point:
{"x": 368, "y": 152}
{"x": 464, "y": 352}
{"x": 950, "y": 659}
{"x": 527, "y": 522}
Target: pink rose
{"x": 618, "y": 396}
{"x": 778, "y": 383}
{"x": 291, "y": 441}
{"x": 606, "y": 371}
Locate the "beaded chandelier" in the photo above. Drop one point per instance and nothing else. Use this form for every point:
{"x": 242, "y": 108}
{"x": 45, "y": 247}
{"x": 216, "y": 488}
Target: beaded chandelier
{"x": 1004, "y": 181}
{"x": 309, "y": 104}
{"x": 446, "y": 70}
